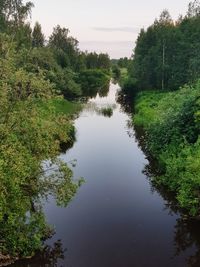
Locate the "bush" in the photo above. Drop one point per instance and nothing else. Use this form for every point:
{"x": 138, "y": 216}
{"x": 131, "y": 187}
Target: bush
{"x": 92, "y": 79}
{"x": 129, "y": 87}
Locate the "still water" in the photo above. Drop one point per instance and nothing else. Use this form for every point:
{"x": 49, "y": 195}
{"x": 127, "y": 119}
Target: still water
{"x": 117, "y": 218}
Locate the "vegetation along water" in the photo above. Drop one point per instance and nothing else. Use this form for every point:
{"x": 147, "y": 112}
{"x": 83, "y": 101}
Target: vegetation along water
{"x": 99, "y": 158}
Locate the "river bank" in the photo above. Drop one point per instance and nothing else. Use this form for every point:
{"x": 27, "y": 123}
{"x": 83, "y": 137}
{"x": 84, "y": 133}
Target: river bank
{"x": 171, "y": 123}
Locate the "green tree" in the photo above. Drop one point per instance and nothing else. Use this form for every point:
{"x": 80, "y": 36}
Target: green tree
{"x": 15, "y": 12}
{"x": 38, "y": 38}
{"x": 65, "y": 46}
{"x": 91, "y": 60}
{"x": 166, "y": 54}
{"x": 103, "y": 61}
{"x": 193, "y": 9}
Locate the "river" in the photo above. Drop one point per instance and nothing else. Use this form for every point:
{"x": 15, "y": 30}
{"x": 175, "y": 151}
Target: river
{"x": 117, "y": 218}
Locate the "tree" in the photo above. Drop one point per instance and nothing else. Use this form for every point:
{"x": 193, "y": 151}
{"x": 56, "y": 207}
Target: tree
{"x": 95, "y": 61}
{"x": 103, "y": 61}
{"x": 164, "y": 56}
{"x": 23, "y": 37}
{"x": 14, "y": 11}
{"x": 91, "y": 60}
{"x": 65, "y": 47}
{"x": 38, "y": 38}
{"x": 193, "y": 9}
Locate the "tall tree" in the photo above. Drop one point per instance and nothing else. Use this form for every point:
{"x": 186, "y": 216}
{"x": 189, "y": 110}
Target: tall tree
{"x": 38, "y": 38}
{"x": 193, "y": 9}
{"x": 103, "y": 61}
{"x": 15, "y": 10}
{"x": 66, "y": 46}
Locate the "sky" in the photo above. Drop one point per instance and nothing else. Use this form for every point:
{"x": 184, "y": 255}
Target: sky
{"x": 108, "y": 26}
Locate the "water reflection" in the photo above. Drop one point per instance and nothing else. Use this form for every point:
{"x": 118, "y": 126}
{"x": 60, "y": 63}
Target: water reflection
{"x": 125, "y": 102}
{"x": 103, "y": 92}
{"x": 91, "y": 92}
{"x": 100, "y": 109}
{"x": 51, "y": 256}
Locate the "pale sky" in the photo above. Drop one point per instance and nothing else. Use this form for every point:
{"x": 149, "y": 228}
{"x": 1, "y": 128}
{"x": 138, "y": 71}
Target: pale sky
{"x": 109, "y": 26}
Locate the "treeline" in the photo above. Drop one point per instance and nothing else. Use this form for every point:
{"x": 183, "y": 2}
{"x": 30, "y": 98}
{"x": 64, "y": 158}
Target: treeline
{"x": 166, "y": 55}
{"x": 59, "y": 57}
{"x": 34, "y": 75}
{"x": 120, "y": 67}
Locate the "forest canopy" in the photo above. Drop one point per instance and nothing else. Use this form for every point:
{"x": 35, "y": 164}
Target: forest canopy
{"x": 166, "y": 55}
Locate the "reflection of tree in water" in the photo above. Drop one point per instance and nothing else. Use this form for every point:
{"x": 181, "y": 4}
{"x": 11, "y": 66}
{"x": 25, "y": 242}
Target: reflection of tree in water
{"x": 187, "y": 230}
{"x": 91, "y": 92}
{"x": 126, "y": 102}
{"x": 49, "y": 257}
{"x": 103, "y": 92}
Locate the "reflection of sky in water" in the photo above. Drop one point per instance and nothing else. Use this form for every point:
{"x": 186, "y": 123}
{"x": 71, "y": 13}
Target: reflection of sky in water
{"x": 110, "y": 99}
{"x": 95, "y": 105}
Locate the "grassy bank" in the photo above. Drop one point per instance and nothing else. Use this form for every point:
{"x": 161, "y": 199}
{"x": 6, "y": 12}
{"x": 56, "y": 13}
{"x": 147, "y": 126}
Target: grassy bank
{"x": 172, "y": 124}
{"x": 59, "y": 106}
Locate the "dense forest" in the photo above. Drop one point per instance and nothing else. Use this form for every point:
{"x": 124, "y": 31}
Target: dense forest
{"x": 166, "y": 55}
{"x": 164, "y": 76}
{"x": 38, "y": 77}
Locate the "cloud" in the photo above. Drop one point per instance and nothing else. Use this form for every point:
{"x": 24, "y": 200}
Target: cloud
{"x": 115, "y": 49}
{"x": 117, "y": 29}
{"x": 94, "y": 42}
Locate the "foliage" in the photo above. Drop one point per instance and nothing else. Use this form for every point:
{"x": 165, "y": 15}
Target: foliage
{"x": 124, "y": 63}
{"x": 129, "y": 86}
{"x": 65, "y": 46}
{"x": 116, "y": 72}
{"x": 37, "y": 36}
{"x": 15, "y": 11}
{"x": 93, "y": 80}
{"x": 95, "y": 61}
{"x": 172, "y": 122}
{"x": 166, "y": 55}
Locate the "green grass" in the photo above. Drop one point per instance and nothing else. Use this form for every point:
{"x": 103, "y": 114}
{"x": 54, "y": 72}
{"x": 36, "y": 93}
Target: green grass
{"x": 65, "y": 107}
{"x": 146, "y": 111}
{"x": 124, "y": 74}
{"x": 124, "y": 71}
{"x": 59, "y": 106}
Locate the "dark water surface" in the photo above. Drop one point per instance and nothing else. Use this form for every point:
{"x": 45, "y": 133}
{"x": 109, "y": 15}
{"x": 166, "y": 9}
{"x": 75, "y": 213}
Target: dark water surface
{"x": 117, "y": 219}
